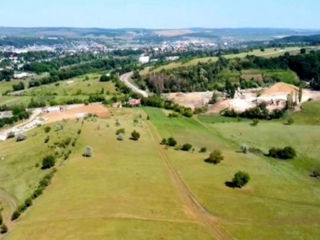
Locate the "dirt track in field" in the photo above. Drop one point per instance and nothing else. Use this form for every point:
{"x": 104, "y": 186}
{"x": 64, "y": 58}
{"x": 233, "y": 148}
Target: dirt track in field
{"x": 195, "y": 209}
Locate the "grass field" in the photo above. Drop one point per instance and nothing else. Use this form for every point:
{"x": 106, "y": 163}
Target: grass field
{"x": 123, "y": 192}
{"x": 269, "y": 52}
{"x": 280, "y": 202}
{"x": 75, "y": 88}
{"x": 141, "y": 190}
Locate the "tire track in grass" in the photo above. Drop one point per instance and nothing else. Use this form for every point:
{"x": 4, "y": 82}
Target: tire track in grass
{"x": 203, "y": 216}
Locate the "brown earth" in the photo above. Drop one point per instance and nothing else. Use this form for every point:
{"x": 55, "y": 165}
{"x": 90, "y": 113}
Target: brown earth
{"x": 77, "y": 112}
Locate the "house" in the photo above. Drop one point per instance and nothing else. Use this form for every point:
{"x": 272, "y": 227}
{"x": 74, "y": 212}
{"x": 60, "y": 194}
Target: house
{"x": 134, "y": 102}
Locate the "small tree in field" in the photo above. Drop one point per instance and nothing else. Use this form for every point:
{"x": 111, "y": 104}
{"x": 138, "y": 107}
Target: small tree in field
{"x": 186, "y": 147}
{"x": 171, "y": 142}
{"x": 48, "y": 162}
{"x": 215, "y": 157}
{"x": 135, "y": 135}
{"x": 240, "y": 179}
{"x": 87, "y": 152}
{"x": 3, "y": 229}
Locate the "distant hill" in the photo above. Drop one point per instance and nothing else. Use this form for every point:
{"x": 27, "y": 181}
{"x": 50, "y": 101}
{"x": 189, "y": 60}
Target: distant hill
{"x": 138, "y": 33}
{"x": 313, "y": 39}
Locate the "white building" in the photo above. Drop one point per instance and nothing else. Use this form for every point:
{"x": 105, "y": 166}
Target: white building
{"x": 144, "y": 59}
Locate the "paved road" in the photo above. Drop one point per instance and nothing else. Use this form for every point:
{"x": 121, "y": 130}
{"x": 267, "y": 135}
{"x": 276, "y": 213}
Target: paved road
{"x": 125, "y": 79}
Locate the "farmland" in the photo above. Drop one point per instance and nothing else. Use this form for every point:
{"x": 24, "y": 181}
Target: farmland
{"x": 140, "y": 189}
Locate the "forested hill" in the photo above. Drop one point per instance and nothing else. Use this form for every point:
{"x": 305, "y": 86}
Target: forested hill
{"x": 251, "y": 71}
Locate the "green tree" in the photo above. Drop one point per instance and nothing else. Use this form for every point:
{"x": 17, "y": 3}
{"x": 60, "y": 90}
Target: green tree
{"x": 48, "y": 162}
{"x": 215, "y": 157}
{"x": 240, "y": 179}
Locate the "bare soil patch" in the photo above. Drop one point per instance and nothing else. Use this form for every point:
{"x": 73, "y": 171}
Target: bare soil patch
{"x": 77, "y": 112}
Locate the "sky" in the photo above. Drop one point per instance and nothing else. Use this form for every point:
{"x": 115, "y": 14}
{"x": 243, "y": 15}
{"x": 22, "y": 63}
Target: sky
{"x": 161, "y": 14}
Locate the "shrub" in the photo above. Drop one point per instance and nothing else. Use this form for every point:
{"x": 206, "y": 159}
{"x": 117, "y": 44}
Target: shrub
{"x": 48, "y": 162}
{"x": 37, "y": 192}
{"x": 21, "y": 138}
{"x": 203, "y": 150}
{"x": 46, "y": 140}
{"x": 240, "y": 179}
{"x": 255, "y": 122}
{"x": 316, "y": 173}
{"x": 215, "y": 157}
{"x": 3, "y": 229}
{"x": 285, "y": 153}
{"x": 164, "y": 141}
{"x": 120, "y": 137}
{"x": 171, "y": 142}
{"x": 28, "y": 202}
{"x": 1, "y": 219}
{"x": 186, "y": 147}
{"x": 120, "y": 131}
{"x": 135, "y": 135}
{"x": 87, "y": 152}
{"x": 15, "y": 215}
{"x": 79, "y": 132}
{"x": 173, "y": 115}
{"x": 290, "y": 121}
{"x": 47, "y": 129}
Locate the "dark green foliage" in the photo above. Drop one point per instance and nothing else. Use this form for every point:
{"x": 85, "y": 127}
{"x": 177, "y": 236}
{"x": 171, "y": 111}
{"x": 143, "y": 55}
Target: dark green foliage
{"x": 240, "y": 179}
{"x": 259, "y": 112}
{"x": 1, "y": 219}
{"x": 135, "y": 135}
{"x": 15, "y": 215}
{"x": 316, "y": 173}
{"x": 18, "y": 112}
{"x": 158, "y": 102}
{"x": 171, "y": 142}
{"x": 3, "y": 229}
{"x": 255, "y": 122}
{"x": 28, "y": 202}
{"x": 47, "y": 129}
{"x": 163, "y": 141}
{"x": 215, "y": 157}
{"x": 282, "y": 153}
{"x": 46, "y": 140}
{"x": 19, "y": 86}
{"x": 186, "y": 147}
{"x": 173, "y": 115}
{"x": 48, "y": 162}
{"x": 120, "y": 131}
{"x": 203, "y": 150}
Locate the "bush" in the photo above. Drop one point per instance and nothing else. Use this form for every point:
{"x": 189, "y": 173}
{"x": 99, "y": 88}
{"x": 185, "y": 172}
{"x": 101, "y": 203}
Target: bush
{"x": 48, "y": 162}
{"x": 215, "y": 157}
{"x": 186, "y": 147}
{"x": 46, "y": 140}
{"x": 240, "y": 179}
{"x": 203, "y": 150}
{"x": 284, "y": 153}
{"x": 28, "y": 202}
{"x": 15, "y": 215}
{"x": 1, "y": 219}
{"x": 171, "y": 142}
{"x": 87, "y": 152}
{"x": 37, "y": 192}
{"x": 135, "y": 135}
{"x": 316, "y": 173}
{"x": 164, "y": 141}
{"x": 290, "y": 121}
{"x": 255, "y": 122}
{"x": 3, "y": 229}
{"x": 21, "y": 138}
{"x": 47, "y": 129}
{"x": 120, "y": 131}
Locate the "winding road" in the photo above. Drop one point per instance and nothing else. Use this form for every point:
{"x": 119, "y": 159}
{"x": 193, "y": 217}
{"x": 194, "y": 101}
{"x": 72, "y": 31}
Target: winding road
{"x": 125, "y": 79}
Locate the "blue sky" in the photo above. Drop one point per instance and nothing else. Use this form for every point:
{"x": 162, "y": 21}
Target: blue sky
{"x": 161, "y": 13}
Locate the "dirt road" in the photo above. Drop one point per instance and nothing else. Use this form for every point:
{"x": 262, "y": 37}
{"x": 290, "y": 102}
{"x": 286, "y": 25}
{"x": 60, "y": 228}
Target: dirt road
{"x": 125, "y": 79}
{"x": 196, "y": 210}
